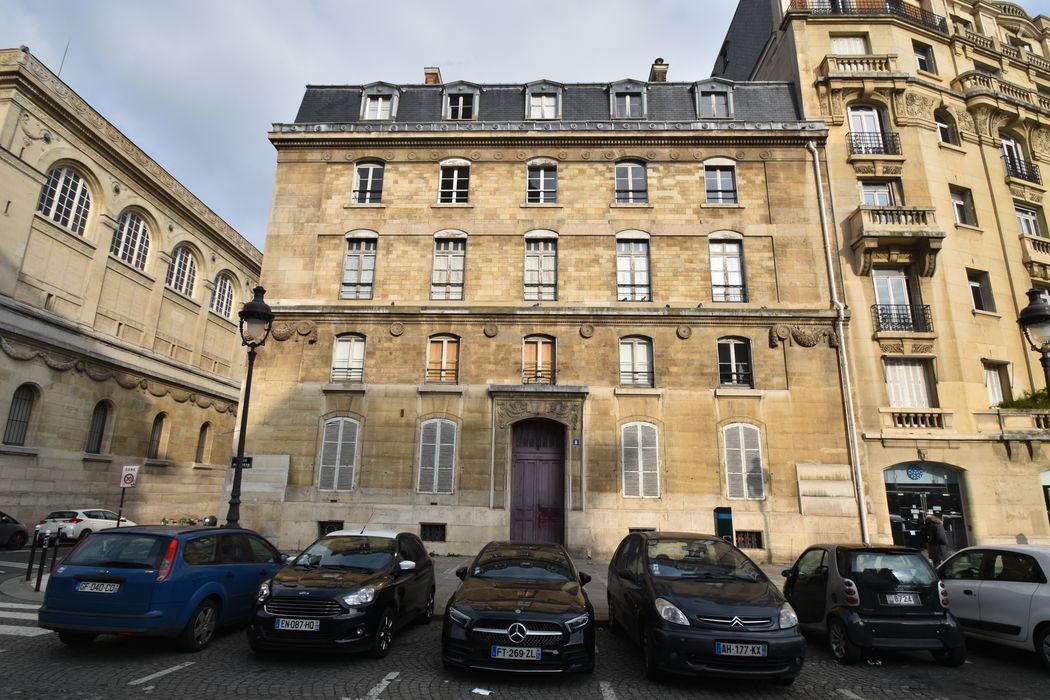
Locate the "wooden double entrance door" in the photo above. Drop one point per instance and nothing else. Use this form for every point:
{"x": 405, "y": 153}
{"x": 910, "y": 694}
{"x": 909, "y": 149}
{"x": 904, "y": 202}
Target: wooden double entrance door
{"x": 537, "y": 489}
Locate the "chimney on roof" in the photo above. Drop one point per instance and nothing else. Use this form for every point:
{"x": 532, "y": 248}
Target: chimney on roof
{"x": 432, "y": 76}
{"x": 658, "y": 73}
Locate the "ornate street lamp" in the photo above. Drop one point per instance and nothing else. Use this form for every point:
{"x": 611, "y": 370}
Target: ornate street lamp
{"x": 256, "y": 319}
{"x": 1034, "y": 320}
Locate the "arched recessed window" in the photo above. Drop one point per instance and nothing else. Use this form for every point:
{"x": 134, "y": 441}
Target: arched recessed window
{"x": 348, "y": 358}
{"x": 156, "y": 437}
{"x": 726, "y": 251}
{"x": 454, "y": 181}
{"x": 868, "y": 134}
{"x": 745, "y": 476}
{"x": 19, "y": 414}
{"x": 437, "y": 456}
{"x": 632, "y": 185}
{"x": 632, "y": 266}
{"x": 734, "y": 362}
{"x": 641, "y": 461}
{"x": 338, "y": 455}
{"x": 131, "y": 240}
{"x": 636, "y": 361}
{"x": 947, "y": 132}
{"x": 97, "y": 428}
{"x": 182, "y": 271}
{"x": 203, "y": 438}
{"x": 538, "y": 361}
{"x": 66, "y": 199}
{"x": 222, "y": 295}
{"x": 443, "y": 359}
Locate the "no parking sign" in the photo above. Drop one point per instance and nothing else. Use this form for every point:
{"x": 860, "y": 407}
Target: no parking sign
{"x": 129, "y": 476}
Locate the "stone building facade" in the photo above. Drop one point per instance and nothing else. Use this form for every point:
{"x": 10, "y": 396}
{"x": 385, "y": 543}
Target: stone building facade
{"x": 550, "y": 311}
{"x": 119, "y": 293}
{"x": 938, "y": 117}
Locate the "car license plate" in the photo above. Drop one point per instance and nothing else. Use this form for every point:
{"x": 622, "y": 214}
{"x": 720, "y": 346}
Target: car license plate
{"x": 732, "y": 649}
{"x": 97, "y": 587}
{"x": 517, "y": 653}
{"x": 284, "y": 623}
{"x": 902, "y": 599}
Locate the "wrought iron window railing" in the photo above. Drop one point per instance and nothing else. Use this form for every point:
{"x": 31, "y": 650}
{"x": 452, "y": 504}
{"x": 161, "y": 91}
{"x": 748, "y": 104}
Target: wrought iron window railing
{"x": 1022, "y": 169}
{"x": 534, "y": 374}
{"x": 897, "y": 8}
{"x": 632, "y": 376}
{"x": 348, "y": 374}
{"x": 902, "y": 317}
{"x": 440, "y": 375}
{"x": 874, "y": 143}
{"x": 734, "y": 375}
{"x": 729, "y": 292}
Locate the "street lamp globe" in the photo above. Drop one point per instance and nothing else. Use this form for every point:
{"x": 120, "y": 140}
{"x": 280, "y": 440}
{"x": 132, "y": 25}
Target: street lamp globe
{"x": 256, "y": 319}
{"x": 1034, "y": 319}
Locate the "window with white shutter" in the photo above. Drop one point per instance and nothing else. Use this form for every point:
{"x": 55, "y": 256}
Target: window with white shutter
{"x": 849, "y": 45}
{"x": 641, "y": 463}
{"x": 908, "y": 383}
{"x": 338, "y": 455}
{"x": 348, "y": 359}
{"x": 745, "y": 476}
{"x": 437, "y": 456}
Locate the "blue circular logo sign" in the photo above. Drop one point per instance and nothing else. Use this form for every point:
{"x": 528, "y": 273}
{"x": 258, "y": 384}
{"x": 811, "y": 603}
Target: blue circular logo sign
{"x": 915, "y": 473}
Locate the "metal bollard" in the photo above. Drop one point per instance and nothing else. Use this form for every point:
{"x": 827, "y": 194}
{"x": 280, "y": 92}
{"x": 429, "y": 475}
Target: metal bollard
{"x": 32, "y": 558}
{"x": 43, "y": 561}
{"x": 54, "y": 555}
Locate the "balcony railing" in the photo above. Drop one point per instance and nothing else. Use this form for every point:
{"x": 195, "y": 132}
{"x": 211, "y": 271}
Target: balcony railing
{"x": 897, "y": 8}
{"x": 873, "y": 143}
{"x": 893, "y": 317}
{"x": 916, "y": 418}
{"x": 630, "y": 376}
{"x": 1022, "y": 169}
{"x": 348, "y": 374}
{"x": 533, "y": 374}
{"x": 729, "y": 292}
{"x": 1007, "y": 421}
{"x": 865, "y": 63}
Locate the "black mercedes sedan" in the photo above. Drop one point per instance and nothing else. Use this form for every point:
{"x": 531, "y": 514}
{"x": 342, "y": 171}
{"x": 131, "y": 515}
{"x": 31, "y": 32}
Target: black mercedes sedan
{"x": 697, "y": 604}
{"x": 350, "y": 590}
{"x": 521, "y": 607}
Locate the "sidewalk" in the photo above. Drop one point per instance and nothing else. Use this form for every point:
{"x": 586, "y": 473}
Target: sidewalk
{"x": 18, "y": 588}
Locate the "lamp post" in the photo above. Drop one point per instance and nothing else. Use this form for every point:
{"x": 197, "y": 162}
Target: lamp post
{"x": 256, "y": 319}
{"x": 1034, "y": 320}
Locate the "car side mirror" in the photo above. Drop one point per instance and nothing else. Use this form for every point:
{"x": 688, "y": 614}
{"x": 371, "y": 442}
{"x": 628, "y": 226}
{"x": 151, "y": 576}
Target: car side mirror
{"x": 787, "y": 573}
{"x": 584, "y": 578}
{"x": 407, "y": 565}
{"x": 287, "y": 558}
{"x": 461, "y": 573}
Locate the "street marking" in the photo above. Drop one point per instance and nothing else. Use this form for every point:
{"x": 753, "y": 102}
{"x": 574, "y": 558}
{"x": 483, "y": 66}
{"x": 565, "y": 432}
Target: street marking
{"x": 6, "y": 615}
{"x": 16, "y": 631}
{"x": 20, "y": 606}
{"x": 850, "y": 694}
{"x": 607, "y": 690}
{"x": 158, "y": 674}
{"x": 379, "y": 687}
{"x": 18, "y": 564}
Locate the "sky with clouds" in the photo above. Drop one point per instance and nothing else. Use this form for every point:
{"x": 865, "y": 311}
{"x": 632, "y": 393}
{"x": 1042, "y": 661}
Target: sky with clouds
{"x": 197, "y": 83}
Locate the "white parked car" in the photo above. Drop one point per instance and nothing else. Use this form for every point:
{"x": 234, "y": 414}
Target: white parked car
{"x": 76, "y": 523}
{"x": 1000, "y": 594}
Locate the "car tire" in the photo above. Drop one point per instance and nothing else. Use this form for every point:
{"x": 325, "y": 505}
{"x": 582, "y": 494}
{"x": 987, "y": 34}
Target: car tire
{"x": 652, "y": 671}
{"x": 428, "y": 612}
{"x": 76, "y": 639}
{"x": 83, "y": 533}
{"x": 17, "y": 541}
{"x": 614, "y": 626}
{"x": 955, "y": 656}
{"x": 200, "y": 629}
{"x": 1042, "y": 645}
{"x": 844, "y": 650}
{"x": 384, "y": 636}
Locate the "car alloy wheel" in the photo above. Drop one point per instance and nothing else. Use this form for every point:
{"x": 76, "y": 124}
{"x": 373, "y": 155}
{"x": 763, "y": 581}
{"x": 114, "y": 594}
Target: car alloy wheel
{"x": 844, "y": 651}
{"x": 614, "y": 626}
{"x": 384, "y": 635}
{"x": 428, "y": 611}
{"x": 1042, "y": 646}
{"x": 652, "y": 671}
{"x": 201, "y": 627}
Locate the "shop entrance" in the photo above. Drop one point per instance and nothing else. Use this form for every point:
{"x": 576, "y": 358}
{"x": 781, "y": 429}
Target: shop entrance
{"x": 914, "y": 489}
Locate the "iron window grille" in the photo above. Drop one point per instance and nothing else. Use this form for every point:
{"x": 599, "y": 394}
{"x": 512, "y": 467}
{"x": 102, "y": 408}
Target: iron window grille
{"x": 19, "y": 415}
{"x": 749, "y": 539}
{"x": 433, "y": 532}
{"x": 874, "y": 143}
{"x": 902, "y": 317}
{"x": 1022, "y": 169}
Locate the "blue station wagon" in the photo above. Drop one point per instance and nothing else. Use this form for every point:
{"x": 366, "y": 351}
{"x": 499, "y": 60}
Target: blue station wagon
{"x": 166, "y": 581}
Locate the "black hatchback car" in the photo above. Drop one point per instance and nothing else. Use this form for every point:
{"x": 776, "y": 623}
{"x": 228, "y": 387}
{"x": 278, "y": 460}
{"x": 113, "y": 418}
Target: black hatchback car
{"x": 874, "y": 597}
{"x": 697, "y": 604}
{"x": 521, "y": 607}
{"x": 348, "y": 591}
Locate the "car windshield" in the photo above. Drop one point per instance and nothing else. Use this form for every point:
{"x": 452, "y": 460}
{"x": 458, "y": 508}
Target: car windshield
{"x": 349, "y": 552}
{"x": 708, "y": 558}
{"x": 888, "y": 566}
{"x": 530, "y": 564}
{"x": 128, "y": 551}
{"x": 61, "y": 515}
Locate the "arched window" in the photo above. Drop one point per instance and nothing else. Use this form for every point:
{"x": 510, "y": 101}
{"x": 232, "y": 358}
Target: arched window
{"x": 745, "y": 476}
{"x": 641, "y": 461}
{"x": 734, "y": 362}
{"x": 18, "y": 416}
{"x": 449, "y": 265}
{"x": 348, "y": 359}
{"x": 359, "y": 265}
{"x": 947, "y": 132}
{"x": 538, "y": 360}
{"x": 222, "y": 295}
{"x": 720, "y": 181}
{"x": 66, "y": 199}
{"x": 867, "y": 132}
{"x": 541, "y": 181}
{"x": 443, "y": 359}
{"x": 156, "y": 437}
{"x": 97, "y": 428}
{"x": 338, "y": 455}
{"x": 636, "y": 361}
{"x": 541, "y": 266}
{"x": 131, "y": 240}
{"x": 632, "y": 185}
{"x": 368, "y": 183}
{"x": 203, "y": 437}
{"x": 182, "y": 271}
{"x": 454, "y": 181}
{"x": 437, "y": 456}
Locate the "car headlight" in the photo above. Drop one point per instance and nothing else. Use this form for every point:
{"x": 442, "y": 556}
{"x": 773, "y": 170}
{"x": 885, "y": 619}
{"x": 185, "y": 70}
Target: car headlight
{"x": 788, "y": 618}
{"x": 578, "y": 622}
{"x": 362, "y": 596}
{"x": 263, "y": 593}
{"x": 457, "y": 616}
{"x": 669, "y": 612}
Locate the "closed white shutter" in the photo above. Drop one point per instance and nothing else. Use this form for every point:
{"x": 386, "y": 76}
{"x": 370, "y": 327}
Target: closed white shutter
{"x": 993, "y": 380}
{"x": 754, "y": 478}
{"x": 849, "y": 45}
{"x": 734, "y": 462}
{"x": 650, "y": 463}
{"x": 437, "y": 456}
{"x": 344, "y": 478}
{"x": 446, "y": 453}
{"x": 338, "y": 455}
{"x": 641, "y": 461}
{"x": 908, "y": 384}
{"x": 428, "y": 455}
{"x": 631, "y": 487}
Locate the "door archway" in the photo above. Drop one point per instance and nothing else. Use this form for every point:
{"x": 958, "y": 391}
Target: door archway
{"x": 537, "y": 489}
{"x": 914, "y": 489}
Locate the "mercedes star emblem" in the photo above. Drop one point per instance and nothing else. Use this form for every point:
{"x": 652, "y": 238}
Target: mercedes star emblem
{"x": 517, "y": 633}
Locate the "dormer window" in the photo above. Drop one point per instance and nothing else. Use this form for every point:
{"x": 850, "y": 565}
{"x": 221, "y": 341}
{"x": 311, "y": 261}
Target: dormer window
{"x": 714, "y": 104}
{"x": 461, "y": 101}
{"x": 378, "y": 106}
{"x": 628, "y": 105}
{"x": 379, "y": 102}
{"x": 543, "y": 100}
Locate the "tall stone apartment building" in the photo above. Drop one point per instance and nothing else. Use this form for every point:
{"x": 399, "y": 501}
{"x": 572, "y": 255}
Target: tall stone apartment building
{"x": 938, "y": 118}
{"x": 119, "y": 293}
{"x": 551, "y": 311}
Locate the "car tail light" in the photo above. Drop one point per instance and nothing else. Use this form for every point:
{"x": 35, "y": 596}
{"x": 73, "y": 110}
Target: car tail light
{"x": 43, "y": 522}
{"x": 73, "y": 521}
{"x": 943, "y": 593}
{"x": 849, "y": 589}
{"x": 167, "y": 562}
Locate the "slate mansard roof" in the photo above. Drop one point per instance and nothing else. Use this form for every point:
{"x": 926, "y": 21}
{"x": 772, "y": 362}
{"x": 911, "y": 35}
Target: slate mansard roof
{"x": 587, "y": 102}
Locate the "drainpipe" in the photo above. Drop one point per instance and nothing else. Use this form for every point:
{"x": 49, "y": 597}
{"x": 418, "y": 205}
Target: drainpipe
{"x": 844, "y": 373}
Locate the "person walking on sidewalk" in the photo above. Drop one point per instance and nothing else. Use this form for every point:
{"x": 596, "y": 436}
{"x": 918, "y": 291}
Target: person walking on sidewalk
{"x": 935, "y": 537}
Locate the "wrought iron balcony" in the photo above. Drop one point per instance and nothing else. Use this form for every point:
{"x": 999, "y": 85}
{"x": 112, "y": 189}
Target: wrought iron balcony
{"x": 900, "y": 317}
{"x": 887, "y": 143}
{"x": 1022, "y": 169}
{"x": 897, "y": 8}
{"x": 533, "y": 374}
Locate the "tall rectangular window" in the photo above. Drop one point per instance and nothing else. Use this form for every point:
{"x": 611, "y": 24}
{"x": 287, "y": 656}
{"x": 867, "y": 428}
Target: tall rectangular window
{"x": 437, "y": 456}
{"x": 359, "y": 269}
{"x": 962, "y": 205}
{"x": 450, "y": 259}
{"x": 97, "y": 428}
{"x": 632, "y": 186}
{"x": 537, "y": 360}
{"x": 542, "y": 184}
{"x": 908, "y": 383}
{"x": 727, "y": 271}
{"x": 980, "y": 290}
{"x": 541, "y": 270}
{"x": 543, "y": 105}
{"x": 745, "y": 475}
{"x": 641, "y": 461}
{"x": 461, "y": 107}
{"x": 876, "y": 193}
{"x": 734, "y": 362}
{"x": 454, "y": 185}
{"x": 443, "y": 360}
{"x": 378, "y": 107}
{"x": 850, "y": 45}
{"x": 628, "y": 105}
{"x": 368, "y": 184}
{"x": 924, "y": 57}
{"x": 997, "y": 381}
{"x": 1028, "y": 220}
{"x": 632, "y": 271}
{"x": 348, "y": 359}
{"x": 18, "y": 416}
{"x": 338, "y": 460}
{"x": 720, "y": 183}
{"x": 636, "y": 362}
{"x": 714, "y": 105}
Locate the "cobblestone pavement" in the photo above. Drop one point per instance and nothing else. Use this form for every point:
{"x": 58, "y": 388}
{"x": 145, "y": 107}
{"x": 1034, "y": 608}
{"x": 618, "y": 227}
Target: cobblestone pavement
{"x": 34, "y": 664}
